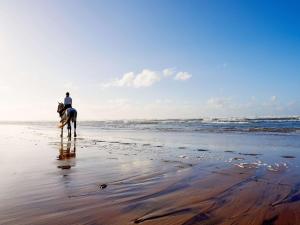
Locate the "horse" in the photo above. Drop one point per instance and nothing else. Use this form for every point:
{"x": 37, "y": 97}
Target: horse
{"x": 67, "y": 116}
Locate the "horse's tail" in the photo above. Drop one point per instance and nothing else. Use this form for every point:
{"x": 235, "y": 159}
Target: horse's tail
{"x": 64, "y": 122}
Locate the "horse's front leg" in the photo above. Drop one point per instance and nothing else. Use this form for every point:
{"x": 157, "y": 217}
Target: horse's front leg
{"x": 61, "y": 133}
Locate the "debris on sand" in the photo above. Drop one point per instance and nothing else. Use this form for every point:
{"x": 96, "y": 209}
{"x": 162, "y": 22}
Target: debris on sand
{"x": 67, "y": 167}
{"x": 288, "y": 156}
{"x": 202, "y": 150}
{"x": 103, "y": 186}
{"x": 250, "y": 154}
{"x": 236, "y": 159}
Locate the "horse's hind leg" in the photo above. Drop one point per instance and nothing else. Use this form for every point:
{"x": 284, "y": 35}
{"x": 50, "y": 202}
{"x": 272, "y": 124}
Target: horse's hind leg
{"x": 75, "y": 135}
{"x": 61, "y": 133}
{"x": 69, "y": 129}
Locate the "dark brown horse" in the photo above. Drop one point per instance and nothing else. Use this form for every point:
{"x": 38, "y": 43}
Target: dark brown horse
{"x": 66, "y": 117}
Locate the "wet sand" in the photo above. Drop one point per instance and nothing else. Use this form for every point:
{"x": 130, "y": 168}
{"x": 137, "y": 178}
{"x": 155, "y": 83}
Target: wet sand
{"x": 116, "y": 178}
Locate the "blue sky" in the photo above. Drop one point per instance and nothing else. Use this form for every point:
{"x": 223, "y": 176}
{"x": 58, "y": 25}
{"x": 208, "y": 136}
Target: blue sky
{"x": 225, "y": 58}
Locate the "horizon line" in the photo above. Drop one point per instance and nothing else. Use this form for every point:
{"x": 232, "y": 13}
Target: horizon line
{"x": 160, "y": 119}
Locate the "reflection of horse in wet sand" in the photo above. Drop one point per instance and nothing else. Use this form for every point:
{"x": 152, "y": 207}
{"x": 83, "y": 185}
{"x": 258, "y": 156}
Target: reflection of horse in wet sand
{"x": 66, "y": 154}
{"x": 67, "y": 116}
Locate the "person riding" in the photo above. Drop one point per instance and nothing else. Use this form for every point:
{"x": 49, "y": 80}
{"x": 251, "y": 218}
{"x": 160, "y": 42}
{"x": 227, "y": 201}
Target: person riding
{"x": 68, "y": 101}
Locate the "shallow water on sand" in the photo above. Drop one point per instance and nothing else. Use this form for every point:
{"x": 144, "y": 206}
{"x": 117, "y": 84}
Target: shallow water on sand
{"x": 148, "y": 177}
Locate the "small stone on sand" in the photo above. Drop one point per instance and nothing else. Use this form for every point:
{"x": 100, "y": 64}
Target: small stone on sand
{"x": 102, "y": 186}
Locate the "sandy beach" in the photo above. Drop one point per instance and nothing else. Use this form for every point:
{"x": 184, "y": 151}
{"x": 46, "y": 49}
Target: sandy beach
{"x": 145, "y": 177}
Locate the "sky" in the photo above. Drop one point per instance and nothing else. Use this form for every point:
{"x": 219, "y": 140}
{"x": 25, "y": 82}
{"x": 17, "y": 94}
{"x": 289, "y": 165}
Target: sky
{"x": 141, "y": 59}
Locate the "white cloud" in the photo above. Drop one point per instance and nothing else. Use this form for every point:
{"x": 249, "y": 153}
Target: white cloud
{"x": 146, "y": 78}
{"x": 274, "y": 98}
{"x": 168, "y": 72}
{"x": 182, "y": 76}
{"x": 126, "y": 81}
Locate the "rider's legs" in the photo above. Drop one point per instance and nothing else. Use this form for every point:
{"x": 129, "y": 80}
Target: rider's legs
{"x": 67, "y": 106}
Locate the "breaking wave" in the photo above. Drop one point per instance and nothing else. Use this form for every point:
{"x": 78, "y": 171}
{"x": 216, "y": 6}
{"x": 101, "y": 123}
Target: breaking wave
{"x": 268, "y": 125}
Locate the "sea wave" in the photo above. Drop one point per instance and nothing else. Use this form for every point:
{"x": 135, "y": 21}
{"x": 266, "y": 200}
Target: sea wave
{"x": 279, "y": 125}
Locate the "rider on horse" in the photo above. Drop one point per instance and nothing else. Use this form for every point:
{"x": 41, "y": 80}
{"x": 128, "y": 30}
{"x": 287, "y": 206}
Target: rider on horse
{"x": 68, "y": 101}
{"x": 67, "y": 114}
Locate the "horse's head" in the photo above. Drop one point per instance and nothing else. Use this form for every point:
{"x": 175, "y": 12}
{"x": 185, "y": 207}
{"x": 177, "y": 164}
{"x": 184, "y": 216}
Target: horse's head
{"x": 60, "y": 107}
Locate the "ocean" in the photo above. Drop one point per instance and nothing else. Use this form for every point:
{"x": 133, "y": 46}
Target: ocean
{"x": 282, "y": 125}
